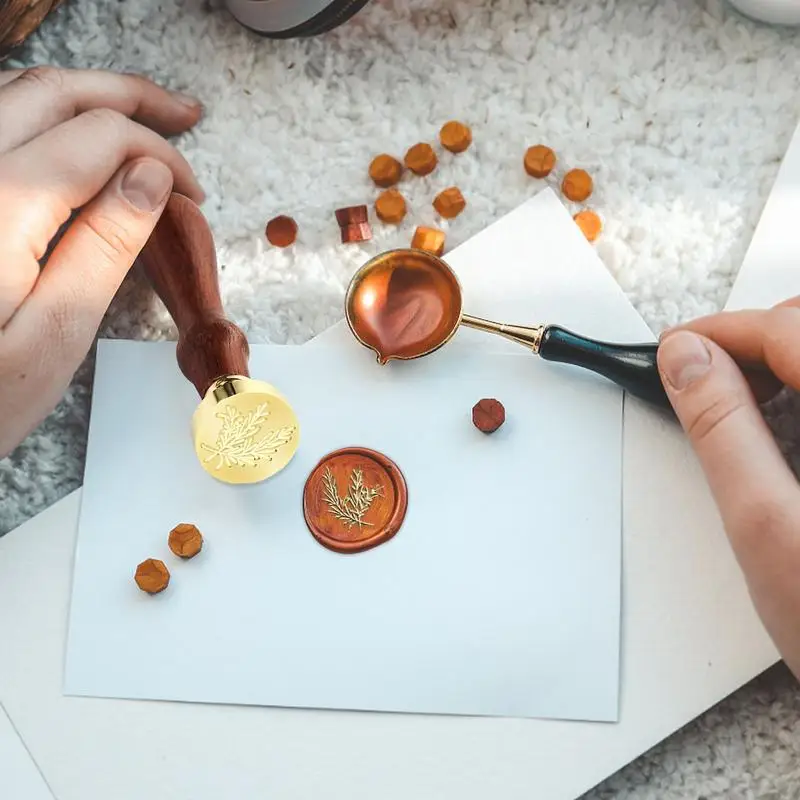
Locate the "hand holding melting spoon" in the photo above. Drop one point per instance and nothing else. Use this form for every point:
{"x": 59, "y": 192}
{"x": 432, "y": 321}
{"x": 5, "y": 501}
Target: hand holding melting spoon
{"x": 755, "y": 490}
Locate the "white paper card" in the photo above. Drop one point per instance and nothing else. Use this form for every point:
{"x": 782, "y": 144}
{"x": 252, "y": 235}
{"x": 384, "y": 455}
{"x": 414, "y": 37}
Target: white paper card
{"x": 500, "y": 595}
{"x": 770, "y": 272}
{"x": 19, "y": 777}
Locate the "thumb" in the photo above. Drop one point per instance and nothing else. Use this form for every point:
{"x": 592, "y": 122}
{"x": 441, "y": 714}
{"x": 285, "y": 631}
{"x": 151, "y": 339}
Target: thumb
{"x": 744, "y": 467}
{"x": 53, "y": 329}
{"x": 97, "y": 250}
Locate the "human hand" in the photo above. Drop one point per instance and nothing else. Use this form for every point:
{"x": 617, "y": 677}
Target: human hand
{"x": 72, "y": 140}
{"x": 757, "y": 494}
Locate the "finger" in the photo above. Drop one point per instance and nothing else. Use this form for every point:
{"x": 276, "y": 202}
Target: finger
{"x": 741, "y": 335}
{"x": 746, "y": 472}
{"x": 42, "y": 182}
{"x": 40, "y": 98}
{"x": 8, "y": 75}
{"x": 792, "y": 302}
{"x": 18, "y": 273}
{"x": 737, "y": 332}
{"x": 781, "y": 343}
{"x": 59, "y": 319}
{"x": 770, "y": 337}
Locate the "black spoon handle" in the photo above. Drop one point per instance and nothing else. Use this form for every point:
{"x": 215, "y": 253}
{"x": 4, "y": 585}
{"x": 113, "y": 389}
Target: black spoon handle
{"x": 631, "y": 366}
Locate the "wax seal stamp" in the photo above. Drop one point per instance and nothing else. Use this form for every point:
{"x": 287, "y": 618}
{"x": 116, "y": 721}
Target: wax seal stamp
{"x": 354, "y": 499}
{"x": 244, "y": 430}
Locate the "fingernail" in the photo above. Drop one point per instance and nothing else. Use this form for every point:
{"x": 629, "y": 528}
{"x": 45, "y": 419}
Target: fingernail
{"x": 146, "y": 185}
{"x": 187, "y": 100}
{"x": 683, "y": 357}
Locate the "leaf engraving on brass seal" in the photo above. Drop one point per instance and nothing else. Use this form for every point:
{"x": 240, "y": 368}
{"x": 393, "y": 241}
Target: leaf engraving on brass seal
{"x": 237, "y": 445}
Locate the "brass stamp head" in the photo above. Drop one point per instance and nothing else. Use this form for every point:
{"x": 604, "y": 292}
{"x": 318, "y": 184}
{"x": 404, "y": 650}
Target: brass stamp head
{"x": 244, "y": 430}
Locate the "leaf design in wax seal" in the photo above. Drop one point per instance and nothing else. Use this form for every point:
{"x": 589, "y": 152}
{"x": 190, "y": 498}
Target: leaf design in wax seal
{"x": 351, "y": 508}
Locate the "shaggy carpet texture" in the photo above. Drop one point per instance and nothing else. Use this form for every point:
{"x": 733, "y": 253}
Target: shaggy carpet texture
{"x": 681, "y": 110}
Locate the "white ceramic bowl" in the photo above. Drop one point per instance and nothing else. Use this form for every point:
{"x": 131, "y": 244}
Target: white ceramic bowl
{"x": 775, "y": 12}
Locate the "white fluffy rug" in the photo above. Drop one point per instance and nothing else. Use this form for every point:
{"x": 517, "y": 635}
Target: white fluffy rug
{"x": 681, "y": 110}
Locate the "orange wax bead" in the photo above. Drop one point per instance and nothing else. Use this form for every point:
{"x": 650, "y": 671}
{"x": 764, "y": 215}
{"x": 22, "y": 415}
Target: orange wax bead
{"x": 390, "y": 206}
{"x": 577, "y": 185}
{"x": 152, "y": 576}
{"x": 455, "y": 136}
{"x": 589, "y": 223}
{"x": 421, "y": 159}
{"x": 539, "y": 161}
{"x": 385, "y": 170}
{"x": 429, "y": 239}
{"x": 185, "y": 540}
{"x": 449, "y": 202}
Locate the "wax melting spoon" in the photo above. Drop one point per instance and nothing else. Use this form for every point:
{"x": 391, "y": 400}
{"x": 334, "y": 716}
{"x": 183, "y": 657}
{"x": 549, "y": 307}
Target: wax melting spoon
{"x": 407, "y": 303}
{"x": 244, "y": 430}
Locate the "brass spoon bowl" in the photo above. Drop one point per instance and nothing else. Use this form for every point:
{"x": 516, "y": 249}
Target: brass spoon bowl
{"x": 407, "y": 303}
{"x": 404, "y": 304}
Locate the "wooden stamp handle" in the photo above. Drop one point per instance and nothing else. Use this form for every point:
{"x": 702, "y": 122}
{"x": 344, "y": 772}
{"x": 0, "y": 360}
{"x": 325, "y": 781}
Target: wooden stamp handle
{"x": 180, "y": 262}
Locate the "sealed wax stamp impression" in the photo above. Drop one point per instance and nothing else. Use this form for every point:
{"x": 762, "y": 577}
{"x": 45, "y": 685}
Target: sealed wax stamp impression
{"x": 354, "y": 499}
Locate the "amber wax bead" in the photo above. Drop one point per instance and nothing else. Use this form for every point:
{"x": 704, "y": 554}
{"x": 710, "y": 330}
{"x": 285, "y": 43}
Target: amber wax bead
{"x": 577, "y": 185}
{"x": 185, "y": 540}
{"x": 281, "y": 231}
{"x": 450, "y": 202}
{"x": 488, "y": 415}
{"x": 539, "y": 161}
{"x": 385, "y": 170}
{"x": 421, "y": 159}
{"x": 589, "y": 223}
{"x": 428, "y": 239}
{"x": 390, "y": 206}
{"x": 455, "y": 136}
{"x": 152, "y": 576}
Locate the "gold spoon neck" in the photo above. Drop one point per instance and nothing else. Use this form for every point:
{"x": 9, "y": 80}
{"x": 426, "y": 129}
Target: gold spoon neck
{"x": 524, "y": 335}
